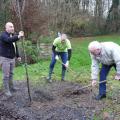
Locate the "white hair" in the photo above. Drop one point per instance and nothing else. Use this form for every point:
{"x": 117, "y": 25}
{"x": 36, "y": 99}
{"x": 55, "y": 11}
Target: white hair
{"x": 94, "y": 45}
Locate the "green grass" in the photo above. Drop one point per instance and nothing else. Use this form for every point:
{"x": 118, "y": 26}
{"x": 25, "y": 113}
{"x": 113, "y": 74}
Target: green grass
{"x": 79, "y": 64}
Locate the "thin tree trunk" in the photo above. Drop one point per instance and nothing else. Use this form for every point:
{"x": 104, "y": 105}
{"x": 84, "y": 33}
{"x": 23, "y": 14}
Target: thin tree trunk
{"x": 113, "y": 17}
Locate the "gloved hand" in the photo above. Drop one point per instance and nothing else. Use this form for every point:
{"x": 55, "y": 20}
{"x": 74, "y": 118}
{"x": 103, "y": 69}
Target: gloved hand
{"x": 117, "y": 77}
{"x": 56, "y": 57}
{"x": 21, "y": 34}
{"x": 67, "y": 64}
{"x": 94, "y": 82}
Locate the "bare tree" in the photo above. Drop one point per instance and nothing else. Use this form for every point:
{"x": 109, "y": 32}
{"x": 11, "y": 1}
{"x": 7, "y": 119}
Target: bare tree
{"x": 113, "y": 18}
{"x": 72, "y": 16}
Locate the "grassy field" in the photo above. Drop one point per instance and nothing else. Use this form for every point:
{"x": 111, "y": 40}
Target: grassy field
{"x": 79, "y": 64}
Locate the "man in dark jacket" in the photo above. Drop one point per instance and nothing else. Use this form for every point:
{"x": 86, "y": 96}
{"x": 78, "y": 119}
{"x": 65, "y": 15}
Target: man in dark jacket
{"x": 8, "y": 52}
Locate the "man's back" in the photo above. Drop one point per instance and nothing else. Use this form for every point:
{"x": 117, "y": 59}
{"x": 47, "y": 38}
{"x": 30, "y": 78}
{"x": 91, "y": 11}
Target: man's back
{"x": 110, "y": 53}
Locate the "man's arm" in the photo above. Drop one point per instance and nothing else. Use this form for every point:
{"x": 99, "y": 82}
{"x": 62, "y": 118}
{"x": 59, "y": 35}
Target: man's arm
{"x": 69, "y": 49}
{"x": 94, "y": 68}
{"x": 7, "y": 38}
{"x": 69, "y": 54}
{"x": 53, "y": 49}
{"x": 116, "y": 57}
{"x": 4, "y": 37}
{"x": 17, "y": 51}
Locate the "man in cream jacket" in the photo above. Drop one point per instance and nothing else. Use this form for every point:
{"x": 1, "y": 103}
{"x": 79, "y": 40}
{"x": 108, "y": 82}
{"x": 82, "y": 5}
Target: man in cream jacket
{"x": 108, "y": 54}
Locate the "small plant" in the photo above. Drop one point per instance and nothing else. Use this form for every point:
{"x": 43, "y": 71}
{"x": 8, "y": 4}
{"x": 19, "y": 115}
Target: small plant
{"x": 30, "y": 51}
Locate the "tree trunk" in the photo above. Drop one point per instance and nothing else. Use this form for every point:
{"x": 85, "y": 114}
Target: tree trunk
{"x": 113, "y": 18}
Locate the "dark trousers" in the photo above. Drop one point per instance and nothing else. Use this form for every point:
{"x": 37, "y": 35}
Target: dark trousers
{"x": 64, "y": 58}
{"x": 103, "y": 75}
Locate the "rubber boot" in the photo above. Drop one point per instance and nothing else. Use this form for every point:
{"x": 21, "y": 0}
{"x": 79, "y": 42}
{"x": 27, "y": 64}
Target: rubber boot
{"x": 12, "y": 87}
{"x": 63, "y": 75}
{"x": 6, "y": 87}
{"x": 49, "y": 76}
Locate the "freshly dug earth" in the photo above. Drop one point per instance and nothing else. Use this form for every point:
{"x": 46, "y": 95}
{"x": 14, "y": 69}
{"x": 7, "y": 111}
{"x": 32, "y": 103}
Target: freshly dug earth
{"x": 55, "y": 101}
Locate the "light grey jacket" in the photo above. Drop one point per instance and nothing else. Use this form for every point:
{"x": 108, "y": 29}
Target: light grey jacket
{"x": 110, "y": 54}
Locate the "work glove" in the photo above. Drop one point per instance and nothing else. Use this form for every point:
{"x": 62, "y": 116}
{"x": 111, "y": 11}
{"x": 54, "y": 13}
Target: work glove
{"x": 94, "y": 82}
{"x": 117, "y": 77}
{"x": 67, "y": 64}
{"x": 56, "y": 57}
{"x": 21, "y": 34}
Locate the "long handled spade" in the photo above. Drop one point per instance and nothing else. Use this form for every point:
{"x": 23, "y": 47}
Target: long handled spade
{"x": 75, "y": 76}
{"x": 68, "y": 68}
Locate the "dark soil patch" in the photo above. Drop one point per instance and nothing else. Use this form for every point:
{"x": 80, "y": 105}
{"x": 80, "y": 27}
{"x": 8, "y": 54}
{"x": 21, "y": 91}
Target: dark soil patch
{"x": 56, "y": 101}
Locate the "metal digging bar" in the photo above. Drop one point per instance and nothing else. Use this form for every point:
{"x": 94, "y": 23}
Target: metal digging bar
{"x": 76, "y": 90}
{"x": 25, "y": 57}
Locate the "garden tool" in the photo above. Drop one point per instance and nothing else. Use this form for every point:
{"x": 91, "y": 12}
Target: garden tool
{"x": 68, "y": 68}
{"x": 79, "y": 89}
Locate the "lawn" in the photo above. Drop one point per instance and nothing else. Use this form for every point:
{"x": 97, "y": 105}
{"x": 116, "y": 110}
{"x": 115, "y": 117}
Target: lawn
{"x": 79, "y": 64}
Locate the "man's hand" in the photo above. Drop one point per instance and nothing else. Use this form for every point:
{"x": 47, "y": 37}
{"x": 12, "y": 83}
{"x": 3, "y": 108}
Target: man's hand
{"x": 19, "y": 59}
{"x": 21, "y": 34}
{"x": 56, "y": 57}
{"x": 94, "y": 82}
{"x": 67, "y": 64}
{"x": 117, "y": 77}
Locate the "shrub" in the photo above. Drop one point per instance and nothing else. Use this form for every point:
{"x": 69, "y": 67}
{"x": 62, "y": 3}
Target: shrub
{"x": 30, "y": 51}
{"x": 46, "y": 39}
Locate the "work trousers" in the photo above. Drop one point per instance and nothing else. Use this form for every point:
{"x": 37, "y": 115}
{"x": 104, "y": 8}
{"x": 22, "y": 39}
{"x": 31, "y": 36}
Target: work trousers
{"x": 7, "y": 65}
{"x": 103, "y": 76}
{"x": 64, "y": 58}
